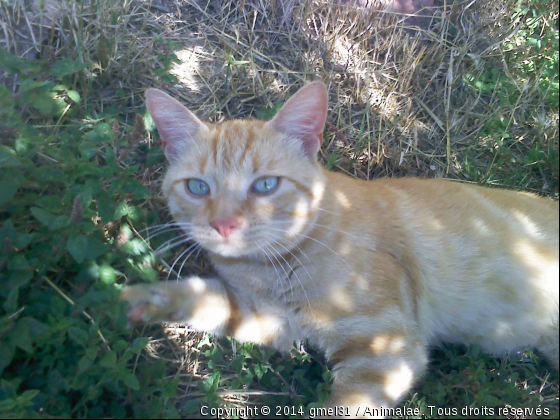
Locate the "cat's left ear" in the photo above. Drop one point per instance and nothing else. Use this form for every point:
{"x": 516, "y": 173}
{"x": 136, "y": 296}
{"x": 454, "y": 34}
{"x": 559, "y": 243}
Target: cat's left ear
{"x": 303, "y": 116}
{"x": 177, "y": 126}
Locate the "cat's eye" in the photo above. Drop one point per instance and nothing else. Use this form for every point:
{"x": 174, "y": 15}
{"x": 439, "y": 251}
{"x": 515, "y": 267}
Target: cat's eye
{"x": 266, "y": 185}
{"x": 198, "y": 187}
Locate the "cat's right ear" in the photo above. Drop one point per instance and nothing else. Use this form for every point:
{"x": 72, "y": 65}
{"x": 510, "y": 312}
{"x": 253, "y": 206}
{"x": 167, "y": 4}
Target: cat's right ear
{"x": 303, "y": 117}
{"x": 177, "y": 126}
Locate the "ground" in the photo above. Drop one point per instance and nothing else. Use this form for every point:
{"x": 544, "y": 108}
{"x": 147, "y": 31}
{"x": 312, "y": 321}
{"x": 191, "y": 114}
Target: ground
{"x": 471, "y": 96}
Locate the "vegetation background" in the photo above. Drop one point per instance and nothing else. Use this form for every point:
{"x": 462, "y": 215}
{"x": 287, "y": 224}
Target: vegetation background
{"x": 472, "y": 97}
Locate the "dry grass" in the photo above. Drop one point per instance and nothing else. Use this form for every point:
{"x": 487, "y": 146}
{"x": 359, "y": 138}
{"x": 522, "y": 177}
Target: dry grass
{"x": 399, "y": 101}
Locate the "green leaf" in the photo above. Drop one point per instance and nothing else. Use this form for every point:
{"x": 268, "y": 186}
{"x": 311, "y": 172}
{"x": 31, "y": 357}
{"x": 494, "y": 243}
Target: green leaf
{"x": 7, "y": 190}
{"x": 29, "y": 394}
{"x": 19, "y": 336}
{"x": 131, "y": 381}
{"x": 11, "y": 302}
{"x": 88, "y": 149}
{"x": 149, "y": 123}
{"x": 84, "y": 364}
{"x": 210, "y": 385}
{"x": 106, "y": 207}
{"x": 268, "y": 113}
{"x": 43, "y": 216}
{"x": 65, "y": 67}
{"x": 139, "y": 344}
{"x": 77, "y": 246}
{"x": 109, "y": 359}
{"x": 155, "y": 156}
{"x": 6, "y": 355}
{"x": 95, "y": 248}
{"x": 75, "y": 96}
{"x": 24, "y": 239}
{"x": 8, "y": 157}
{"x": 7, "y": 231}
{"x": 169, "y": 387}
{"x": 135, "y": 247}
{"x": 91, "y": 353}
{"x": 14, "y": 64}
{"x": 83, "y": 247}
{"x": 121, "y": 210}
{"x": 78, "y": 335}
{"x": 192, "y": 407}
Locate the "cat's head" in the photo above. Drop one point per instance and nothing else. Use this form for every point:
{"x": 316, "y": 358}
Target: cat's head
{"x": 244, "y": 186}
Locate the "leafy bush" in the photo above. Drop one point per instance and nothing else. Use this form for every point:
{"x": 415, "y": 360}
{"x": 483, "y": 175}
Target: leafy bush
{"x": 66, "y": 185}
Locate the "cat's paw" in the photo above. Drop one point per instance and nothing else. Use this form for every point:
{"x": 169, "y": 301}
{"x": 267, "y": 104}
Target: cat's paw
{"x": 149, "y": 303}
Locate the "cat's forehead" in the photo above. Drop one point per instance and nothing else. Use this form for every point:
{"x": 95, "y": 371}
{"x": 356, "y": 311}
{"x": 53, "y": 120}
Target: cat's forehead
{"x": 235, "y": 147}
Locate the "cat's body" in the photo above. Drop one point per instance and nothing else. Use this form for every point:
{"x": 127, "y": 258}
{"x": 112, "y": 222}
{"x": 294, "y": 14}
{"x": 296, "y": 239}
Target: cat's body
{"x": 371, "y": 273}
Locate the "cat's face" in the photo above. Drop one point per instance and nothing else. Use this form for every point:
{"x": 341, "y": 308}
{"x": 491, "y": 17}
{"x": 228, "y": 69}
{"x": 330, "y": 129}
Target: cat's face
{"x": 244, "y": 187}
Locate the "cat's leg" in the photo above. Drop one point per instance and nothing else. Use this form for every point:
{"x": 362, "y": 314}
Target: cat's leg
{"x": 371, "y": 374}
{"x": 208, "y": 305}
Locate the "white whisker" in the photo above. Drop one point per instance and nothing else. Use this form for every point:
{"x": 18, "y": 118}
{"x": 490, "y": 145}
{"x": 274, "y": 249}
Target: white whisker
{"x": 198, "y": 246}
{"x": 295, "y": 273}
{"x": 317, "y": 225}
{"x": 163, "y": 225}
{"x": 176, "y": 242}
{"x": 178, "y": 258}
{"x": 319, "y": 242}
{"x": 300, "y": 263}
{"x": 278, "y": 277}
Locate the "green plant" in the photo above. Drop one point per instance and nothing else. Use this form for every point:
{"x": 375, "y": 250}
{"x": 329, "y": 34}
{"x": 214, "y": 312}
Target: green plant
{"x": 68, "y": 194}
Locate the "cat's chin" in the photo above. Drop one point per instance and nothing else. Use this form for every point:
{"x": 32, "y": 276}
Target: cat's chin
{"x": 231, "y": 251}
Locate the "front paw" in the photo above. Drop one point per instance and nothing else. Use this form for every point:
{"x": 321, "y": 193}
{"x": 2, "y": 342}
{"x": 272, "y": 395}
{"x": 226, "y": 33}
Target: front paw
{"x": 150, "y": 303}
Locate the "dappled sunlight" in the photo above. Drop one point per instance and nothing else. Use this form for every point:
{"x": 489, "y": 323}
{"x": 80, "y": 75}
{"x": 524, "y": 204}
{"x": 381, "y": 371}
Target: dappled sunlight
{"x": 342, "y": 200}
{"x": 481, "y": 227}
{"x": 318, "y": 190}
{"x": 346, "y": 248}
{"x": 210, "y": 313}
{"x": 188, "y": 70}
{"x": 386, "y": 343}
{"x": 539, "y": 260}
{"x": 359, "y": 281}
{"x": 531, "y": 228}
{"x": 398, "y": 381}
{"x": 340, "y": 298}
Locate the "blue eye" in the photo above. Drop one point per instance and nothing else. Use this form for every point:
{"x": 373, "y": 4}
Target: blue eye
{"x": 266, "y": 185}
{"x": 198, "y": 187}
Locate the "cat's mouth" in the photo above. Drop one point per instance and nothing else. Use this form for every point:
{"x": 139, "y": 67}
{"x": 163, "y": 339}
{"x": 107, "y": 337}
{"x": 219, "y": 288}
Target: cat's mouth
{"x": 234, "y": 246}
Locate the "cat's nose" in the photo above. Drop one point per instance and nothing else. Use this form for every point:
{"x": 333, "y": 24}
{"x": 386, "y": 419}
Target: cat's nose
{"x": 225, "y": 227}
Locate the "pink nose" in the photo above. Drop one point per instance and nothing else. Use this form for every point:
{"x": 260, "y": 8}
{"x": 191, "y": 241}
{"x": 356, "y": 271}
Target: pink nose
{"x": 225, "y": 227}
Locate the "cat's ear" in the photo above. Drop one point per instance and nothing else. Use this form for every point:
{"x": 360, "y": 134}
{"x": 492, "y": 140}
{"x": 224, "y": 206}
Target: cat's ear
{"x": 177, "y": 126}
{"x": 303, "y": 116}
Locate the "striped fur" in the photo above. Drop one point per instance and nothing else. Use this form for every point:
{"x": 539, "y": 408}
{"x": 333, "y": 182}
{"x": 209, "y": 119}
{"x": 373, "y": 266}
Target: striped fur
{"x": 372, "y": 273}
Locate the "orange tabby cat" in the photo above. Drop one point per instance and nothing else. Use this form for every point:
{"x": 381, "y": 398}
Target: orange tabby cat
{"x": 371, "y": 273}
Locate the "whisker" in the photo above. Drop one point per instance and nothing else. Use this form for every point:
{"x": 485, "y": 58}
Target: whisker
{"x": 318, "y": 225}
{"x": 176, "y": 242}
{"x": 291, "y": 253}
{"x": 296, "y": 274}
{"x": 298, "y": 260}
{"x": 328, "y": 211}
{"x": 278, "y": 279}
{"x": 165, "y": 225}
{"x": 295, "y": 245}
{"x": 198, "y": 246}
{"x": 173, "y": 229}
{"x": 319, "y": 242}
{"x": 177, "y": 259}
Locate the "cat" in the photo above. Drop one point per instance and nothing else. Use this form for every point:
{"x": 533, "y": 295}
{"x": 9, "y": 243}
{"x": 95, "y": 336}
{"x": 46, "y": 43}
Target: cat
{"x": 371, "y": 273}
